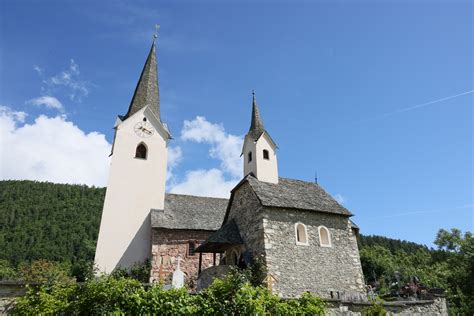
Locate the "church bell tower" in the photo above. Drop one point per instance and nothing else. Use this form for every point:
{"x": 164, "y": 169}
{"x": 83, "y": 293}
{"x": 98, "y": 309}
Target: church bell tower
{"x": 259, "y": 150}
{"x": 137, "y": 176}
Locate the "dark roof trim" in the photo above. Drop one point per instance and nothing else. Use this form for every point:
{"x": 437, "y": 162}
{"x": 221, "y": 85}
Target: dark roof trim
{"x": 227, "y": 236}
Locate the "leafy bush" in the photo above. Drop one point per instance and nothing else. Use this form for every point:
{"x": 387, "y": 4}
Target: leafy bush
{"x": 376, "y": 309}
{"x": 7, "y": 272}
{"x": 233, "y": 295}
{"x": 139, "y": 271}
{"x": 54, "y": 298}
{"x": 43, "y": 271}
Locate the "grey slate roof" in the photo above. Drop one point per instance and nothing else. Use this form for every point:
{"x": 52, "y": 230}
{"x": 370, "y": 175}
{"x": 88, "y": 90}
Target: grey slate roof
{"x": 295, "y": 194}
{"x": 353, "y": 225}
{"x": 147, "y": 91}
{"x": 190, "y": 212}
{"x": 256, "y": 126}
{"x": 219, "y": 241}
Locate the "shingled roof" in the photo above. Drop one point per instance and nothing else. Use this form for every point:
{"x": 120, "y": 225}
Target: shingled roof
{"x": 147, "y": 91}
{"x": 190, "y": 212}
{"x": 257, "y": 129}
{"x": 219, "y": 241}
{"x": 295, "y": 194}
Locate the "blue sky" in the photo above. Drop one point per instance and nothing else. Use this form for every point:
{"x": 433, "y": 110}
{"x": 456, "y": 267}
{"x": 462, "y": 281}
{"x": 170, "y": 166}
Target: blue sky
{"x": 376, "y": 96}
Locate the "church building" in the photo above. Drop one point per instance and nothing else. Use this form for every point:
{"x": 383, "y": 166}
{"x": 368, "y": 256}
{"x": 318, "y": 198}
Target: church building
{"x": 302, "y": 234}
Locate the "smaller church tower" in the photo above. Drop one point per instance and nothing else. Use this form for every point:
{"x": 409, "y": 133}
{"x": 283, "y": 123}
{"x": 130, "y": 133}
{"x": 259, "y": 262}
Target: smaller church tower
{"x": 137, "y": 176}
{"x": 259, "y": 150}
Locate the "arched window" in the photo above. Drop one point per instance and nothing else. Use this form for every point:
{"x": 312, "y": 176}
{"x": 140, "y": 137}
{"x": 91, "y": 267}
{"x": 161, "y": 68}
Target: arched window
{"x": 324, "y": 237}
{"x": 249, "y": 157}
{"x": 266, "y": 155}
{"x": 141, "y": 151}
{"x": 301, "y": 235}
{"x": 233, "y": 258}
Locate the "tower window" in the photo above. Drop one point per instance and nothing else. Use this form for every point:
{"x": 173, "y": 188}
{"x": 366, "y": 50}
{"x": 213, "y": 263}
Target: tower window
{"x": 324, "y": 237}
{"x": 191, "y": 248}
{"x": 141, "y": 151}
{"x": 144, "y": 119}
{"x": 266, "y": 155}
{"x": 301, "y": 236}
{"x": 249, "y": 157}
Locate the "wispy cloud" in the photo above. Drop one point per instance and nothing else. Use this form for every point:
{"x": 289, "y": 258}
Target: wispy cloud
{"x": 414, "y": 107}
{"x": 67, "y": 81}
{"x": 48, "y": 102}
{"x": 38, "y": 69}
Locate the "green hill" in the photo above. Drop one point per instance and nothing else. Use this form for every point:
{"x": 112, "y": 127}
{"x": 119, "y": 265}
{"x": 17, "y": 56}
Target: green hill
{"x": 60, "y": 222}
{"x": 40, "y": 220}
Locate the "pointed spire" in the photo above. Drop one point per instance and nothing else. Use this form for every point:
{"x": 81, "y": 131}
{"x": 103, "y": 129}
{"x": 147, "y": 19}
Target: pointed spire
{"x": 256, "y": 126}
{"x": 147, "y": 91}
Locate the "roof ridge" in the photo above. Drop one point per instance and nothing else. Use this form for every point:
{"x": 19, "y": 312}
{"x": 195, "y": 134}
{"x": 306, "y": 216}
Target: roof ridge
{"x": 197, "y": 196}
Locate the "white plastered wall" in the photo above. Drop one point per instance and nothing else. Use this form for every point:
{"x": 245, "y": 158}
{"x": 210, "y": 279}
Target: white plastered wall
{"x": 263, "y": 169}
{"x": 134, "y": 187}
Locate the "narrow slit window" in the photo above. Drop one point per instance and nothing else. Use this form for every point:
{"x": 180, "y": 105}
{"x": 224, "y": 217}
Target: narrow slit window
{"x": 266, "y": 155}
{"x": 249, "y": 157}
{"x": 141, "y": 151}
{"x": 301, "y": 236}
{"x": 191, "y": 248}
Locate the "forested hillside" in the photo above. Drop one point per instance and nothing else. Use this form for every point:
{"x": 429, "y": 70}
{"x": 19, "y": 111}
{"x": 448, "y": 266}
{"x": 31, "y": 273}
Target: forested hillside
{"x": 57, "y": 222}
{"x": 60, "y": 223}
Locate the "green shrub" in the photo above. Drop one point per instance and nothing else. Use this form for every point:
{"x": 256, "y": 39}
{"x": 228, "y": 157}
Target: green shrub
{"x": 44, "y": 271}
{"x": 54, "y": 298}
{"x": 139, "y": 271}
{"x": 233, "y": 295}
{"x": 7, "y": 272}
{"x": 376, "y": 309}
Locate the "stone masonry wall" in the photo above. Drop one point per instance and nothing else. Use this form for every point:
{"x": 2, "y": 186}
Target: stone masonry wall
{"x": 436, "y": 307}
{"x": 320, "y": 270}
{"x": 246, "y": 211}
{"x": 167, "y": 245}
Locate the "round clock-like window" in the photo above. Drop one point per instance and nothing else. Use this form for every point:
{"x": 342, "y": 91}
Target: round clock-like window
{"x": 144, "y": 129}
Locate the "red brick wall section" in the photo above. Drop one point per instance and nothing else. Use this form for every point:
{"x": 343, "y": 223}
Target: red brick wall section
{"x": 167, "y": 244}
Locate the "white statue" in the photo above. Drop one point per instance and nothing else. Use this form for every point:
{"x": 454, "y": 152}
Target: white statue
{"x": 178, "y": 276}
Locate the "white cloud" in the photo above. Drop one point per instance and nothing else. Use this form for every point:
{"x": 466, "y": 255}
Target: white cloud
{"x": 339, "y": 198}
{"x": 74, "y": 87}
{"x": 224, "y": 146}
{"x": 51, "y": 149}
{"x": 47, "y": 101}
{"x": 38, "y": 69}
{"x": 174, "y": 156}
{"x": 54, "y": 149}
{"x": 205, "y": 183}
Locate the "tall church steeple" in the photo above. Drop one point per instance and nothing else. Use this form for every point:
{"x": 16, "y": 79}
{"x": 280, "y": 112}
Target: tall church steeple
{"x": 137, "y": 176}
{"x": 259, "y": 150}
{"x": 256, "y": 125}
{"x": 147, "y": 91}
